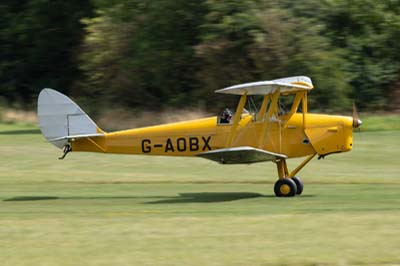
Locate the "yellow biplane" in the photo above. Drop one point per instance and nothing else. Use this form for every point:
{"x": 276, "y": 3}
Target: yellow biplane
{"x": 269, "y": 134}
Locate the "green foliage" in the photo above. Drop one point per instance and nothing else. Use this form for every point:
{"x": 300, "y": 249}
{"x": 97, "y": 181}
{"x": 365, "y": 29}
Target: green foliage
{"x": 368, "y": 31}
{"x": 143, "y": 54}
{"x": 38, "y": 43}
{"x": 142, "y": 59}
{"x": 270, "y": 43}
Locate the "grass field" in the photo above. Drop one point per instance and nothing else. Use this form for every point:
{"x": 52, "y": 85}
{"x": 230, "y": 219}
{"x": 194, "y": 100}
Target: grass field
{"x": 95, "y": 209}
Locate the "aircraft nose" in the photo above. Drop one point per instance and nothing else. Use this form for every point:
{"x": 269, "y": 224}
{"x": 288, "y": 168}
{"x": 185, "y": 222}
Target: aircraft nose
{"x": 356, "y": 120}
{"x": 357, "y": 123}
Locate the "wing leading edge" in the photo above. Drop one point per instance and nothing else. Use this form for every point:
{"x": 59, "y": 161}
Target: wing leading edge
{"x": 286, "y": 85}
{"x": 239, "y": 155}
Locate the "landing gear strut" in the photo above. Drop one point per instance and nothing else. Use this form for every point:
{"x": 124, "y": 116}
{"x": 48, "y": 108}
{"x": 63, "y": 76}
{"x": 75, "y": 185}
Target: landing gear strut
{"x": 288, "y": 184}
{"x": 66, "y": 150}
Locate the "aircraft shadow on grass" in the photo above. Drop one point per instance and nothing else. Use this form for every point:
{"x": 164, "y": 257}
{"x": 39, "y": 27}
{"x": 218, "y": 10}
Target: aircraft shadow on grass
{"x": 202, "y": 197}
{"x": 37, "y": 198}
{"x": 20, "y": 132}
{"x": 209, "y": 197}
{"x": 31, "y": 198}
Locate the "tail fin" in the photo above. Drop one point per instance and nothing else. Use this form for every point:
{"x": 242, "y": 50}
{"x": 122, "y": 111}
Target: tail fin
{"x": 60, "y": 119}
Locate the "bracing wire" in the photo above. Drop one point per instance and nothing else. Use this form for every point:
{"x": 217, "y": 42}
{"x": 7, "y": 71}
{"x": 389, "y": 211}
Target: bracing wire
{"x": 252, "y": 104}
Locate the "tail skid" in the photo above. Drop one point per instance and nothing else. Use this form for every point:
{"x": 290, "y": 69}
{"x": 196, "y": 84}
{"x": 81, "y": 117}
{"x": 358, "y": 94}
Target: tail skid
{"x": 62, "y": 120}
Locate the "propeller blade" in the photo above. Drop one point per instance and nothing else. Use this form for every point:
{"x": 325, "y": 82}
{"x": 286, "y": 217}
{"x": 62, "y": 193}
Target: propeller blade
{"x": 356, "y": 120}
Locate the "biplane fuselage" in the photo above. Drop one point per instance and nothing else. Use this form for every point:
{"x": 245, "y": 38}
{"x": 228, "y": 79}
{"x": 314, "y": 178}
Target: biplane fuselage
{"x": 269, "y": 134}
{"x": 330, "y": 134}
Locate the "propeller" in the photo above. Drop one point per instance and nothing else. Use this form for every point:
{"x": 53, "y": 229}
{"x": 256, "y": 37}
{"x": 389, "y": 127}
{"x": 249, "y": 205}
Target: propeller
{"x": 356, "y": 120}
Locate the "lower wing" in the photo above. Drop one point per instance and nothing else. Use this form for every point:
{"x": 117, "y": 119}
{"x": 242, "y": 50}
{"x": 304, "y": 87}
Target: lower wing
{"x": 238, "y": 155}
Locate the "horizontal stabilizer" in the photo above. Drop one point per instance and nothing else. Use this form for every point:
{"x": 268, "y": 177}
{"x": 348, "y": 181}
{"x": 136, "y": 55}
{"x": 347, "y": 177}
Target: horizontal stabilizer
{"x": 238, "y": 155}
{"x": 77, "y": 136}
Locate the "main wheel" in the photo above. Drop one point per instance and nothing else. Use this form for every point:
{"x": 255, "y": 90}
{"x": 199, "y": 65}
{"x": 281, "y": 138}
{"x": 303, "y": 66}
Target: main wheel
{"x": 285, "y": 188}
{"x": 299, "y": 185}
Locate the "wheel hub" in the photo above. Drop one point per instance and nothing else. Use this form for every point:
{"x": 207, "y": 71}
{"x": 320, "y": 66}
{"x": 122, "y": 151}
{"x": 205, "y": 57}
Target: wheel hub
{"x": 285, "y": 189}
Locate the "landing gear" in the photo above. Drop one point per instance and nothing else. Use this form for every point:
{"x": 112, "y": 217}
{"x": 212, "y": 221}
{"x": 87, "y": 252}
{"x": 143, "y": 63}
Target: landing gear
{"x": 285, "y": 188}
{"x": 288, "y": 187}
{"x": 66, "y": 150}
{"x": 288, "y": 184}
{"x": 299, "y": 185}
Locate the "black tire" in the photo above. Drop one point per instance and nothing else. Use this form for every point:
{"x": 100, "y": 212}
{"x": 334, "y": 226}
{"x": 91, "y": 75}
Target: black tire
{"x": 285, "y": 188}
{"x": 299, "y": 184}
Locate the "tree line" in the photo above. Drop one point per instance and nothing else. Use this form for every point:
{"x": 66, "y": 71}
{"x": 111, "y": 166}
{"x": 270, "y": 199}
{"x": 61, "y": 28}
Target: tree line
{"x": 146, "y": 54}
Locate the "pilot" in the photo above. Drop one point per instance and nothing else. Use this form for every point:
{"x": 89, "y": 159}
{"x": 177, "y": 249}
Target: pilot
{"x": 226, "y": 116}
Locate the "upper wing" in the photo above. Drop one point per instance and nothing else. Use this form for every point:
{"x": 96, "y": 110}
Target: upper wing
{"x": 238, "y": 155}
{"x": 286, "y": 85}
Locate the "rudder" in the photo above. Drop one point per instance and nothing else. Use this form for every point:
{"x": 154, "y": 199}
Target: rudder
{"x": 61, "y": 119}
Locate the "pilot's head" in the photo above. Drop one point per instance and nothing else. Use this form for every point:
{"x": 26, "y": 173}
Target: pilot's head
{"x": 227, "y": 114}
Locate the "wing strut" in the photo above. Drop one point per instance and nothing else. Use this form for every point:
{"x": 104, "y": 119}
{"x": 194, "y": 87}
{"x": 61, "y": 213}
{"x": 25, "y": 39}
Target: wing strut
{"x": 272, "y": 109}
{"x": 305, "y": 109}
{"x": 236, "y": 120}
{"x": 263, "y": 109}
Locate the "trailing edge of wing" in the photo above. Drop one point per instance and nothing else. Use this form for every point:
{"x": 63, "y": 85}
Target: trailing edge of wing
{"x": 238, "y": 155}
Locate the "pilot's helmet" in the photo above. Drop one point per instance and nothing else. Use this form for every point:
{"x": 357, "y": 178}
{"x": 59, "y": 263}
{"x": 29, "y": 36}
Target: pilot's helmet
{"x": 227, "y": 114}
